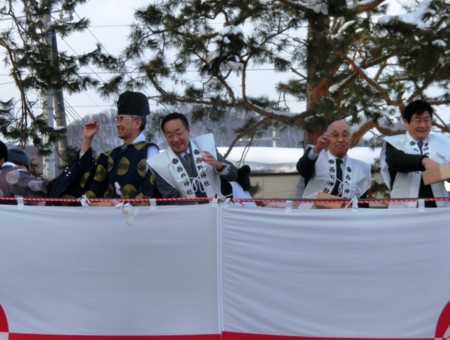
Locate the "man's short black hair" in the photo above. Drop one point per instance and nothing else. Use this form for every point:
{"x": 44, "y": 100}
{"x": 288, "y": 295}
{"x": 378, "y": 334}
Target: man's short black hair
{"x": 3, "y": 151}
{"x": 417, "y": 106}
{"x": 172, "y": 116}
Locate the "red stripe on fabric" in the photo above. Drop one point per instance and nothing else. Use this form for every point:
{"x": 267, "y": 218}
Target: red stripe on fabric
{"x": 18, "y": 336}
{"x": 444, "y": 322}
{"x": 247, "y": 336}
{"x": 3, "y": 321}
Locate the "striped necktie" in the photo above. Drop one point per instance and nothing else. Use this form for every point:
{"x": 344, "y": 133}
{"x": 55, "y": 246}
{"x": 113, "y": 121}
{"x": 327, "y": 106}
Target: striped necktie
{"x": 335, "y": 190}
{"x": 420, "y": 144}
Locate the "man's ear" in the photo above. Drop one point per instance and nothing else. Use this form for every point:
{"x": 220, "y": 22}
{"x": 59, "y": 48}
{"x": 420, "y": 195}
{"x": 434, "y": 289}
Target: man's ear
{"x": 138, "y": 123}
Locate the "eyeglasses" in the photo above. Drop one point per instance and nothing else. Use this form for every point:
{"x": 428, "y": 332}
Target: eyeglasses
{"x": 120, "y": 119}
{"x": 426, "y": 121}
{"x": 177, "y": 134}
{"x": 336, "y": 135}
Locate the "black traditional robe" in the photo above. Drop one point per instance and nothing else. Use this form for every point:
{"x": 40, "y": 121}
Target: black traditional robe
{"x": 95, "y": 178}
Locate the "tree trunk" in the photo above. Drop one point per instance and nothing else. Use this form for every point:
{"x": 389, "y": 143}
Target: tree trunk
{"x": 318, "y": 50}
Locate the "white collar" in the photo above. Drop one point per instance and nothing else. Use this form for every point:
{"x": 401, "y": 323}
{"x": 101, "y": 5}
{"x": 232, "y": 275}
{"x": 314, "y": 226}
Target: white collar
{"x": 139, "y": 138}
{"x": 9, "y": 164}
{"x": 408, "y": 136}
{"x": 331, "y": 156}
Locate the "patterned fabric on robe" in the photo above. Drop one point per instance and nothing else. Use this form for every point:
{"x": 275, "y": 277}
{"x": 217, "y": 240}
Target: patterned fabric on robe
{"x": 125, "y": 165}
{"x": 17, "y": 182}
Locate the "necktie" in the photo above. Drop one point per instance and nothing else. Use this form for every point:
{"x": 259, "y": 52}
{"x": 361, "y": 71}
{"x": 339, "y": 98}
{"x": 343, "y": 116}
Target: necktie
{"x": 338, "y": 177}
{"x": 420, "y": 144}
{"x": 187, "y": 157}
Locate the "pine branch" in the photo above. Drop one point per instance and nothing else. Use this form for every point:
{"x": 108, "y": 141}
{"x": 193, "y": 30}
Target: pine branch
{"x": 298, "y": 73}
{"x": 274, "y": 116}
{"x": 366, "y": 7}
{"x": 439, "y": 102}
{"x": 370, "y": 81}
{"x": 243, "y": 134}
{"x": 427, "y": 82}
{"x": 227, "y": 87}
{"x": 337, "y": 25}
{"x": 379, "y": 72}
{"x": 388, "y": 132}
{"x": 294, "y": 5}
{"x": 444, "y": 126}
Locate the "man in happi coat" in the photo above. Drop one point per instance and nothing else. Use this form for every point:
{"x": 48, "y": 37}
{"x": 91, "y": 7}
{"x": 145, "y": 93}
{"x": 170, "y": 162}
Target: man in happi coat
{"x": 190, "y": 167}
{"x": 121, "y": 172}
{"x": 404, "y": 157}
{"x": 326, "y": 167}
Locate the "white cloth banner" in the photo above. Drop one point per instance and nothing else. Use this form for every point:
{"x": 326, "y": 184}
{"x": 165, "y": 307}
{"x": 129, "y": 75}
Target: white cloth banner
{"x": 197, "y": 272}
{"x": 69, "y": 271}
{"x": 335, "y": 273}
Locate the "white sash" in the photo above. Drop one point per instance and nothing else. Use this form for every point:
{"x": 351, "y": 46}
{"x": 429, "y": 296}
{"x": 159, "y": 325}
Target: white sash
{"x": 347, "y": 187}
{"x": 356, "y": 178}
{"x": 407, "y": 185}
{"x": 172, "y": 170}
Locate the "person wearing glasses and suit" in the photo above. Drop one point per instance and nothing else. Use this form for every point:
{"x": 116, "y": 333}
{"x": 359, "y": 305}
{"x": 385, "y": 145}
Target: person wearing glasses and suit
{"x": 119, "y": 173}
{"x": 326, "y": 167}
{"x": 190, "y": 167}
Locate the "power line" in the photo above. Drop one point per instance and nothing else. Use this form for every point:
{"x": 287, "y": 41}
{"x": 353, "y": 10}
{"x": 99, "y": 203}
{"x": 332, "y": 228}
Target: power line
{"x": 77, "y": 55}
{"x": 78, "y": 119}
{"x": 96, "y": 105}
{"x": 93, "y": 35}
{"x": 137, "y": 72}
{"x": 106, "y": 26}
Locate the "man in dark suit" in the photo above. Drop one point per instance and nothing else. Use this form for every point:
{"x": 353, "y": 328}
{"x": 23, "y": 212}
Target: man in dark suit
{"x": 404, "y": 157}
{"x": 326, "y": 167}
{"x": 190, "y": 167}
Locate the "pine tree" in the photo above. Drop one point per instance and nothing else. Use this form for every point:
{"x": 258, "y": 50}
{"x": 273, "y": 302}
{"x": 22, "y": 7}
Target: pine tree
{"x": 346, "y": 59}
{"x": 35, "y": 68}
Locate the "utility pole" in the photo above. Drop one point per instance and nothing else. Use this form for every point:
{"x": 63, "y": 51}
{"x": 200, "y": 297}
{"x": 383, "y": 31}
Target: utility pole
{"x": 47, "y": 101}
{"x": 54, "y": 101}
{"x": 58, "y": 100}
{"x": 275, "y": 137}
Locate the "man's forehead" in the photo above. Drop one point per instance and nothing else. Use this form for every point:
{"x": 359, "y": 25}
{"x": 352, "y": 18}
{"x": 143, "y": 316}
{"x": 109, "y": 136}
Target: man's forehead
{"x": 173, "y": 125}
{"x": 340, "y": 128}
{"x": 344, "y": 129}
{"x": 424, "y": 114}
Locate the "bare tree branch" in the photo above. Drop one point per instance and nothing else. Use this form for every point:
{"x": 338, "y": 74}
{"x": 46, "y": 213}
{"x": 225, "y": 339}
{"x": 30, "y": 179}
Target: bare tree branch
{"x": 427, "y": 82}
{"x": 243, "y": 134}
{"x": 367, "y": 7}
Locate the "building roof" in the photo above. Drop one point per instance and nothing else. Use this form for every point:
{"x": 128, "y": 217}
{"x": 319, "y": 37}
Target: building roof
{"x": 284, "y": 160}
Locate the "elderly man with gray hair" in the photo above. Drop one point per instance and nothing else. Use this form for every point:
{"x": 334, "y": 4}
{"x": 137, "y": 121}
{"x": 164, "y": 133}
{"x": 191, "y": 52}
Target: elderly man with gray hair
{"x": 118, "y": 173}
{"x": 326, "y": 167}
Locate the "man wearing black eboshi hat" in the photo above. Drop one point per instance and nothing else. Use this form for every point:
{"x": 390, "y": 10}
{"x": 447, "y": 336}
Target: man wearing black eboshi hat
{"x": 121, "y": 172}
